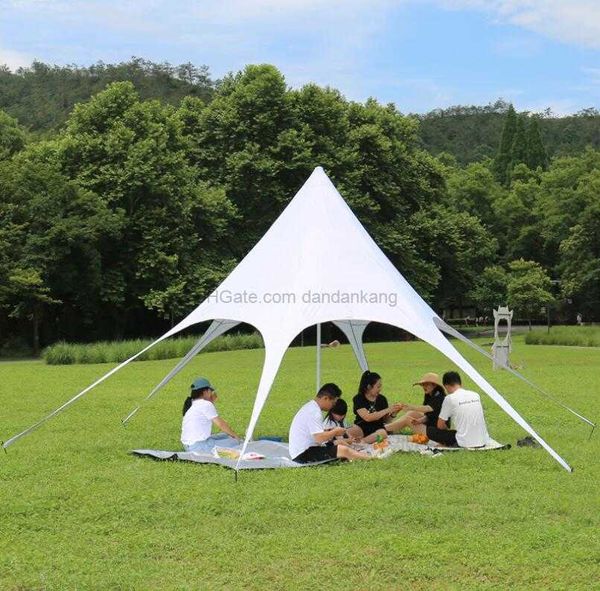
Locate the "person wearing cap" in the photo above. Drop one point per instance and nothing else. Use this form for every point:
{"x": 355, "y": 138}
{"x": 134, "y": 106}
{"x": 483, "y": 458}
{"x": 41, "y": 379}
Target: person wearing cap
{"x": 308, "y": 439}
{"x": 427, "y": 413}
{"x": 199, "y": 415}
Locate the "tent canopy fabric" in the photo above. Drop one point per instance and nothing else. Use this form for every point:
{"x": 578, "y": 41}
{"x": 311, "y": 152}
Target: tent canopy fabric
{"x": 316, "y": 264}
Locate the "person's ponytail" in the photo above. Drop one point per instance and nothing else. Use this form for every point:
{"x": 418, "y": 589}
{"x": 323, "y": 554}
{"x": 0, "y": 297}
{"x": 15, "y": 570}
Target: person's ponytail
{"x": 187, "y": 404}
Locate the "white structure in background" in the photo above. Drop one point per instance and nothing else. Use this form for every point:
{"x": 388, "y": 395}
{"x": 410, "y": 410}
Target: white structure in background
{"x": 502, "y": 347}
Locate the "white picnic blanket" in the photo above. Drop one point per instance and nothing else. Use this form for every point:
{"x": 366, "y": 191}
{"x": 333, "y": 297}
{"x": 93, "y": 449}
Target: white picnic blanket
{"x": 403, "y": 443}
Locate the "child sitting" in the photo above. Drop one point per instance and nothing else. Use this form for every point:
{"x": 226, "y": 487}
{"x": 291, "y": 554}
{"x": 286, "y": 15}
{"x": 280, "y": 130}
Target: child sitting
{"x": 336, "y": 417}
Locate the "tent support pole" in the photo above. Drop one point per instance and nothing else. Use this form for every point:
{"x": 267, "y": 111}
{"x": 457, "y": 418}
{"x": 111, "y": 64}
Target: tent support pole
{"x": 318, "y": 357}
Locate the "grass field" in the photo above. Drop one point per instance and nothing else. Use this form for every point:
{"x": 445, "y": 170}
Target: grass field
{"x": 78, "y": 512}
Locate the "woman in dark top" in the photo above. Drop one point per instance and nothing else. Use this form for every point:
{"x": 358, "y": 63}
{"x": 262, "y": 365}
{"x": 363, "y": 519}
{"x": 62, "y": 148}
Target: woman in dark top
{"x": 374, "y": 416}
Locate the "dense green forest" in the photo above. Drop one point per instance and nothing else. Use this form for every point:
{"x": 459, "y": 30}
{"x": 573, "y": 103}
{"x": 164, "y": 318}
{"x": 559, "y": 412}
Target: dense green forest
{"x": 129, "y": 191}
{"x": 42, "y": 97}
{"x": 473, "y": 133}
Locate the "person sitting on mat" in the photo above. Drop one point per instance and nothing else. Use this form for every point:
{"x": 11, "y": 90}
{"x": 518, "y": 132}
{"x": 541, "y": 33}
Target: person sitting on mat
{"x": 465, "y": 410}
{"x": 374, "y": 416}
{"x": 199, "y": 415}
{"x": 336, "y": 417}
{"x": 427, "y": 413}
{"x": 307, "y": 436}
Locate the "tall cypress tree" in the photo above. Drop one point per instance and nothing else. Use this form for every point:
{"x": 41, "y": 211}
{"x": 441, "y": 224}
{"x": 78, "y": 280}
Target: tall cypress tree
{"x": 504, "y": 156}
{"x": 536, "y": 152}
{"x": 518, "y": 153}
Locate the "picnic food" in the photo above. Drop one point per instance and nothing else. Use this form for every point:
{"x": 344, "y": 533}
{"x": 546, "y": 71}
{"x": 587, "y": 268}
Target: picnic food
{"x": 419, "y": 438}
{"x": 380, "y": 443}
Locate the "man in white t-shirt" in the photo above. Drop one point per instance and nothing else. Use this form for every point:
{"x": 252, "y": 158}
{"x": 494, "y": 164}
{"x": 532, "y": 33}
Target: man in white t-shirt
{"x": 308, "y": 441}
{"x": 464, "y": 408}
{"x": 199, "y": 415}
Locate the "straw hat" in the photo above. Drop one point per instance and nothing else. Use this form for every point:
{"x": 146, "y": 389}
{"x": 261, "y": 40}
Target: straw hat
{"x": 431, "y": 378}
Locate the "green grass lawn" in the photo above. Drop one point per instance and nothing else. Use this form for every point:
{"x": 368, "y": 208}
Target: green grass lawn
{"x": 78, "y": 512}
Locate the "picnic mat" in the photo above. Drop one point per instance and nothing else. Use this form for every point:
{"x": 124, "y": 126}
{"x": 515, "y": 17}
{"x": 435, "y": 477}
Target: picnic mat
{"x": 259, "y": 456}
{"x": 262, "y": 455}
{"x": 403, "y": 443}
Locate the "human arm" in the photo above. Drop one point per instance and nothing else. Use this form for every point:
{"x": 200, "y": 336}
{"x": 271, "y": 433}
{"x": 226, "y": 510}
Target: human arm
{"x": 378, "y": 415}
{"x": 223, "y": 425}
{"x": 324, "y": 436}
{"x": 418, "y": 407}
{"x": 445, "y": 414}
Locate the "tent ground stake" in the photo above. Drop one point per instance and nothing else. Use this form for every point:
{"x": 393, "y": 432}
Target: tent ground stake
{"x": 235, "y": 477}
{"x": 591, "y": 433}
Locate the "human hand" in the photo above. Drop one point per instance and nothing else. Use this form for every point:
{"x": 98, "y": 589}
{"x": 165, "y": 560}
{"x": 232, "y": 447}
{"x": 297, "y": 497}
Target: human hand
{"x": 338, "y": 431}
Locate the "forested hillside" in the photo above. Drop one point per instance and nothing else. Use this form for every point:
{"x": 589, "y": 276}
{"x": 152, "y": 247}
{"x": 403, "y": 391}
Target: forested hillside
{"x": 118, "y": 221}
{"x": 473, "y": 133}
{"x": 42, "y": 96}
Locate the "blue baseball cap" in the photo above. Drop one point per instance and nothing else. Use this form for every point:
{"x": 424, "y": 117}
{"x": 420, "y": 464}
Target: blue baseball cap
{"x": 201, "y": 384}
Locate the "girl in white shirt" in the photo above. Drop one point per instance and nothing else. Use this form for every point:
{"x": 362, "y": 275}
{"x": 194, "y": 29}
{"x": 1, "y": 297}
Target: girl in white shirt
{"x": 199, "y": 415}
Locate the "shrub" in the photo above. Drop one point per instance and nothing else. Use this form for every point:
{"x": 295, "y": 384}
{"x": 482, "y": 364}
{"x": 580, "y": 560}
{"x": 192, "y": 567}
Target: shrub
{"x": 570, "y": 336}
{"x": 63, "y": 353}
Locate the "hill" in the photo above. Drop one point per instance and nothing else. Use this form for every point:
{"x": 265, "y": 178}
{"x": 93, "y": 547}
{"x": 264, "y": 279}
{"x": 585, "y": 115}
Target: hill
{"x": 42, "y": 96}
{"x": 471, "y": 133}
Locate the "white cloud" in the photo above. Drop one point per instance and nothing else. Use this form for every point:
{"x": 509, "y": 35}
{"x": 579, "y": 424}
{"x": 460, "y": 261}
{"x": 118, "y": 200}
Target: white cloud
{"x": 14, "y": 59}
{"x": 569, "y": 21}
{"x": 328, "y": 42}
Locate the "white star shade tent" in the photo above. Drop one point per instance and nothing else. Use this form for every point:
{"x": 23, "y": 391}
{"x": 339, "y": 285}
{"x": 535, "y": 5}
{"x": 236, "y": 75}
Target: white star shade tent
{"x": 315, "y": 264}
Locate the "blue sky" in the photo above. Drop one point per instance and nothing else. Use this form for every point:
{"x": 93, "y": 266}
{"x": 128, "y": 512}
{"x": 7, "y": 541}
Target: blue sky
{"x": 419, "y": 54}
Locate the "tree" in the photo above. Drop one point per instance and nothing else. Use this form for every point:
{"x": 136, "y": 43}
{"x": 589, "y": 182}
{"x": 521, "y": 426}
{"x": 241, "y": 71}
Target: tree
{"x": 475, "y": 190}
{"x": 42, "y": 96}
{"x": 133, "y": 153}
{"x": 12, "y": 137}
{"x": 536, "y": 152}
{"x": 490, "y": 289}
{"x": 516, "y": 223}
{"x": 457, "y": 245}
{"x": 579, "y": 265}
{"x": 26, "y": 289}
{"x": 564, "y": 193}
{"x": 504, "y": 157}
{"x": 260, "y": 141}
{"x": 529, "y": 288}
{"x": 519, "y": 151}
{"x": 50, "y": 244}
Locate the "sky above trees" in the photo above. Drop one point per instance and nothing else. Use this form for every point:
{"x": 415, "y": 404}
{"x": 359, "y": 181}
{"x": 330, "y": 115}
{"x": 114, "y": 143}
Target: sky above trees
{"x": 419, "y": 54}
